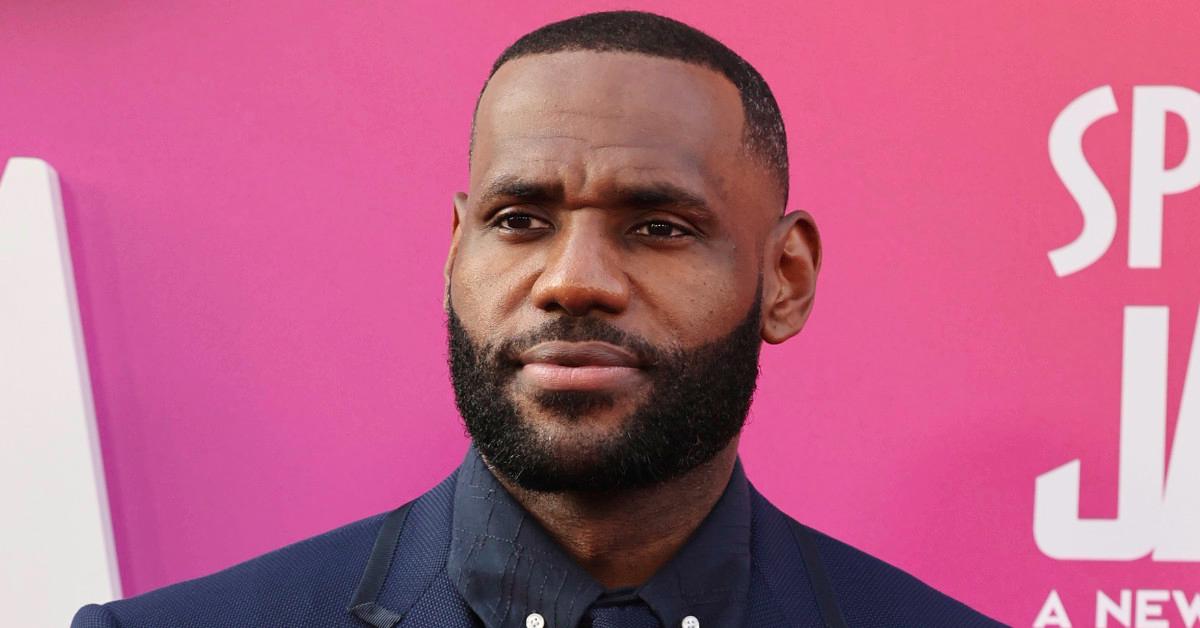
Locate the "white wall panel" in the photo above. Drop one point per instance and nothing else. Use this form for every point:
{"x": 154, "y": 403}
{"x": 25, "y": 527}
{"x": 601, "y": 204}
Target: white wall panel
{"x": 55, "y": 535}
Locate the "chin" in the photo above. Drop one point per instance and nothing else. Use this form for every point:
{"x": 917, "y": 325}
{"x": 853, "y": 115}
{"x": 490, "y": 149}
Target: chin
{"x": 579, "y": 435}
{"x": 576, "y": 408}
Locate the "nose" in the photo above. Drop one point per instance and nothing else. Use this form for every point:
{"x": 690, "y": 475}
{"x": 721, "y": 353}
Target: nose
{"x": 582, "y": 273}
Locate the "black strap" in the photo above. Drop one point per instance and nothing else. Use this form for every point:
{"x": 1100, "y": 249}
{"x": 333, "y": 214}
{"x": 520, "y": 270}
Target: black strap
{"x": 817, "y": 576}
{"x": 364, "y": 605}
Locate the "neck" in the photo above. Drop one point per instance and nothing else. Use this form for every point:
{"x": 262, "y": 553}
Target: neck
{"x": 622, "y": 538}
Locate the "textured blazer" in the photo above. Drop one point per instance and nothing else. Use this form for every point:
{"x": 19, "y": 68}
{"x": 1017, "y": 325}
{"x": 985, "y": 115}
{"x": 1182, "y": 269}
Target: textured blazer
{"x": 389, "y": 571}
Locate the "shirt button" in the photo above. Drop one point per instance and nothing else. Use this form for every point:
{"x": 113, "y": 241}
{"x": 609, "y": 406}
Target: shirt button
{"x": 690, "y": 622}
{"x": 535, "y": 620}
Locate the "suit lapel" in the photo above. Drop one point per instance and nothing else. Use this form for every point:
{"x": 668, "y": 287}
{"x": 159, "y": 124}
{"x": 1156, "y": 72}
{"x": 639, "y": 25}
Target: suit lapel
{"x": 404, "y": 582}
{"x": 781, "y": 594}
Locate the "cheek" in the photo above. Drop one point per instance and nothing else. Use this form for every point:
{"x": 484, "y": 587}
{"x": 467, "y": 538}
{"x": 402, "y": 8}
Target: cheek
{"x": 484, "y": 289}
{"x": 699, "y": 312}
{"x": 697, "y": 302}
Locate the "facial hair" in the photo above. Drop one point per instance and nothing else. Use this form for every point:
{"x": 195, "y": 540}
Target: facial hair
{"x": 697, "y": 401}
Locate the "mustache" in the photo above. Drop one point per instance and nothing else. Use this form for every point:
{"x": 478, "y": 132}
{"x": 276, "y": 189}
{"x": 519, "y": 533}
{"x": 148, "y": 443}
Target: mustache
{"x": 577, "y": 330}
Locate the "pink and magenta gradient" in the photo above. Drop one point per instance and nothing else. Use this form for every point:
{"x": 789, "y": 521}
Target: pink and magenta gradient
{"x": 258, "y": 201}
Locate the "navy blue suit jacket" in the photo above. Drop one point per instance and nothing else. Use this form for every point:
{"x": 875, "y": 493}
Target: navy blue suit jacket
{"x": 389, "y": 570}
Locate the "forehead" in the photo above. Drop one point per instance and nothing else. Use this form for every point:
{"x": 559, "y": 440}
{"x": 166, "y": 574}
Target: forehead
{"x": 593, "y": 117}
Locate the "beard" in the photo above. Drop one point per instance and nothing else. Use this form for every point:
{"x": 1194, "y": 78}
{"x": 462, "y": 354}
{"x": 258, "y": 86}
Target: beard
{"x": 696, "y": 403}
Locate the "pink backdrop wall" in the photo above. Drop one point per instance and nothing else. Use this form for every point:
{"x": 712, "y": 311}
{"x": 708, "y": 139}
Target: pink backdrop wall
{"x": 259, "y": 201}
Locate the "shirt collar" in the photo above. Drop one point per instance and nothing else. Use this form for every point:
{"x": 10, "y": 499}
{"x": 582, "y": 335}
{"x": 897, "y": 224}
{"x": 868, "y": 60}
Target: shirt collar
{"x": 506, "y": 566}
{"x": 710, "y": 576}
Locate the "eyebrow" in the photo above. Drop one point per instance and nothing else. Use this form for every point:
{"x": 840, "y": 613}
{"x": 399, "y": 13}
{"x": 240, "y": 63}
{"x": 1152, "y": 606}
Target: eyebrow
{"x": 515, "y": 188}
{"x": 660, "y": 195}
{"x": 642, "y": 196}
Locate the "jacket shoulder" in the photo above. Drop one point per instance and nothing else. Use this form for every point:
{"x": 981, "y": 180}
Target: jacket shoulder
{"x": 307, "y": 583}
{"x": 872, "y": 592}
{"x": 94, "y": 616}
{"x": 869, "y": 591}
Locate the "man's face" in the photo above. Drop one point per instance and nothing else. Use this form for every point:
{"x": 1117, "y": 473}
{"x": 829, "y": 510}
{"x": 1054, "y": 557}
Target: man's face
{"x": 605, "y": 274}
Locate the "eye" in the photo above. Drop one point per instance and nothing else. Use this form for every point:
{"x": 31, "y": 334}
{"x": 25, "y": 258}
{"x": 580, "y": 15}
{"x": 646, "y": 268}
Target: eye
{"x": 661, "y": 229}
{"x": 521, "y": 222}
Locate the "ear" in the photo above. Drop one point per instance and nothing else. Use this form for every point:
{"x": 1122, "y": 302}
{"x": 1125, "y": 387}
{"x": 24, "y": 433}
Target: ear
{"x": 460, "y": 208}
{"x": 790, "y": 266}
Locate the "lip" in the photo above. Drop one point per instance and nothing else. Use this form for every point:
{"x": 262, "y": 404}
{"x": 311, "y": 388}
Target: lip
{"x": 579, "y": 354}
{"x": 595, "y": 366}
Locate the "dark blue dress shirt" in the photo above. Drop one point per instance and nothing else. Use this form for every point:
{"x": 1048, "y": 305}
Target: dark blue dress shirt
{"x": 514, "y": 575}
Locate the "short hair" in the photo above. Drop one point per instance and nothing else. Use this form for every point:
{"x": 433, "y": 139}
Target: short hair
{"x": 654, "y": 35}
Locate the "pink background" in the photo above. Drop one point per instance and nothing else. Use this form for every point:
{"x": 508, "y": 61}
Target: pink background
{"x": 259, "y": 204}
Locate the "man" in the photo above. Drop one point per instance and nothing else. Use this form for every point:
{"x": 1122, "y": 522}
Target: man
{"x": 621, "y": 254}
